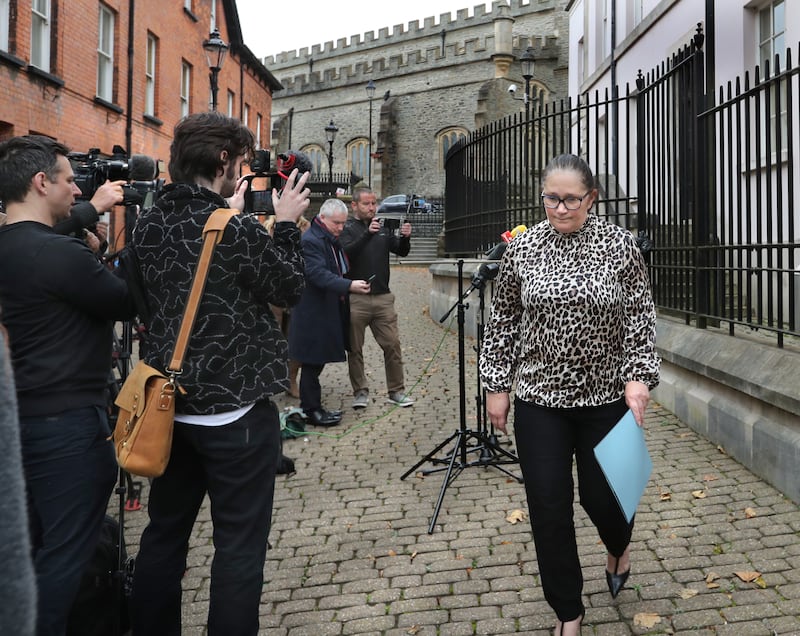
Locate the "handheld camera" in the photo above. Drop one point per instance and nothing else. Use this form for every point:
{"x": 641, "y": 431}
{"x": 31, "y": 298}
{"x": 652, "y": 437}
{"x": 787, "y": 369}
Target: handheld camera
{"x": 258, "y": 197}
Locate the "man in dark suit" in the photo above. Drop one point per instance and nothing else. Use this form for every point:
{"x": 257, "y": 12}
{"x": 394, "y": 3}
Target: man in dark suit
{"x": 319, "y": 322}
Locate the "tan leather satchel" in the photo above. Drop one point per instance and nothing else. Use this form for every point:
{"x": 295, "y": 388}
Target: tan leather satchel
{"x": 146, "y": 401}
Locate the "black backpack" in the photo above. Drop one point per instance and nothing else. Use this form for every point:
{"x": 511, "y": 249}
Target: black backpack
{"x": 101, "y": 606}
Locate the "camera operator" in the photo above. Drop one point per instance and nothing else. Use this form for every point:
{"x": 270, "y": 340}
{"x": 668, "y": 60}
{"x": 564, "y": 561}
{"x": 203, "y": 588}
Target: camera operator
{"x": 83, "y": 220}
{"x": 59, "y": 303}
{"x": 226, "y": 439}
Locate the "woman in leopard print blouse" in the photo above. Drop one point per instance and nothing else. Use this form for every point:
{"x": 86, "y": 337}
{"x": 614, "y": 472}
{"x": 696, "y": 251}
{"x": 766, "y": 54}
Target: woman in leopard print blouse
{"x": 573, "y": 327}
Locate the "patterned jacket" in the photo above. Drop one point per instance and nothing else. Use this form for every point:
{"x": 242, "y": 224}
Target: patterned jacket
{"x": 237, "y": 354}
{"x": 572, "y": 318}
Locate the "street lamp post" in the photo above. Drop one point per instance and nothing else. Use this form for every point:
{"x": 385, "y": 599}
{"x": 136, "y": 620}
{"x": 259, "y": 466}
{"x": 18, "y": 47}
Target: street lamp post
{"x": 215, "y": 49}
{"x": 370, "y": 95}
{"x": 527, "y": 61}
{"x": 330, "y": 133}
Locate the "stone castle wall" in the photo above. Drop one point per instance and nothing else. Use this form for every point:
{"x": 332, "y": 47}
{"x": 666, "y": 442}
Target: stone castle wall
{"x": 428, "y": 77}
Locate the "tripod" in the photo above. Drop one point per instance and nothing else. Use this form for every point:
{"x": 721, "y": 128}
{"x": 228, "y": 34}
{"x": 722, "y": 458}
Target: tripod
{"x": 467, "y": 441}
{"x": 123, "y": 348}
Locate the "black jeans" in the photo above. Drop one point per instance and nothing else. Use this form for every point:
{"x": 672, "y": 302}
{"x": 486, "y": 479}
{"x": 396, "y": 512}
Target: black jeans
{"x": 70, "y": 472}
{"x": 235, "y": 464}
{"x": 546, "y": 441}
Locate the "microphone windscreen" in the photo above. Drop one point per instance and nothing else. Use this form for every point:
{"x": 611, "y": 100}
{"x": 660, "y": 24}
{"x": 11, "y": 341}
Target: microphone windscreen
{"x": 496, "y": 253}
{"x": 80, "y": 216}
{"x": 142, "y": 168}
{"x": 288, "y": 161}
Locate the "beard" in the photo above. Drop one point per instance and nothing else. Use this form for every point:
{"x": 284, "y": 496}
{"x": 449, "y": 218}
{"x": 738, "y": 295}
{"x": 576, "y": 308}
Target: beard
{"x": 228, "y": 186}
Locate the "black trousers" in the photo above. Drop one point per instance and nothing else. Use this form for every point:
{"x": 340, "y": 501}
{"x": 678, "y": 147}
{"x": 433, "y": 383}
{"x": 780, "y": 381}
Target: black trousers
{"x": 310, "y": 388}
{"x": 70, "y": 472}
{"x": 547, "y": 439}
{"x": 235, "y": 464}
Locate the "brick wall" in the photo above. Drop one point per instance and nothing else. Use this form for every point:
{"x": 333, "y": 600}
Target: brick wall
{"x": 62, "y": 104}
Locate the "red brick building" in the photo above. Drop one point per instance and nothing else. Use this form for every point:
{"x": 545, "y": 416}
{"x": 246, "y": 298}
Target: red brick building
{"x": 66, "y": 71}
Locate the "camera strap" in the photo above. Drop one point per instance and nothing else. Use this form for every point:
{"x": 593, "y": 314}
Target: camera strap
{"x": 212, "y": 234}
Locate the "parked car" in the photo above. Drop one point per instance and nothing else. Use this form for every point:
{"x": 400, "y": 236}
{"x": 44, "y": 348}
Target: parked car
{"x": 403, "y": 203}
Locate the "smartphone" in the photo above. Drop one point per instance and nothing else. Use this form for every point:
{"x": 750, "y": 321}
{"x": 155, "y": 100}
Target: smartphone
{"x": 370, "y": 279}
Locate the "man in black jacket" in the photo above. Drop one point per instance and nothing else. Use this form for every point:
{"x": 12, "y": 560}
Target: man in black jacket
{"x": 226, "y": 441}
{"x": 368, "y": 244}
{"x": 59, "y": 304}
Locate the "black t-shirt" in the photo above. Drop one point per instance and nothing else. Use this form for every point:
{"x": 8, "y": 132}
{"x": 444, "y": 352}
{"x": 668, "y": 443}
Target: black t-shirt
{"x": 58, "y": 303}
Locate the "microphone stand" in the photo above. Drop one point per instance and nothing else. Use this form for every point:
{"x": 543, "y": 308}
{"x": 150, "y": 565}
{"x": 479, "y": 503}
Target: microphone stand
{"x": 489, "y": 455}
{"x": 467, "y": 441}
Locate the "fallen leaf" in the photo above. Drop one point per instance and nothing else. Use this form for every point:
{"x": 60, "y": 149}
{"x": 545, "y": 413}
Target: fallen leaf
{"x": 683, "y": 435}
{"x": 711, "y": 576}
{"x": 687, "y": 593}
{"x": 721, "y": 450}
{"x": 712, "y": 586}
{"x": 710, "y": 477}
{"x": 748, "y": 577}
{"x": 413, "y": 554}
{"x": 646, "y": 619}
{"x": 665, "y": 496}
{"x": 761, "y": 583}
{"x": 392, "y": 553}
{"x": 414, "y": 629}
{"x": 699, "y": 494}
{"x": 516, "y": 515}
{"x": 750, "y": 513}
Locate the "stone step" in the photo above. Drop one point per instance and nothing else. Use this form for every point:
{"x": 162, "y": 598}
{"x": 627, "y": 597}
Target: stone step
{"x": 422, "y": 249}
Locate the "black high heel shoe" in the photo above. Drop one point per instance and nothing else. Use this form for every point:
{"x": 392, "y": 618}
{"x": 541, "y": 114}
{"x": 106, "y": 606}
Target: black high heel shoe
{"x": 616, "y": 581}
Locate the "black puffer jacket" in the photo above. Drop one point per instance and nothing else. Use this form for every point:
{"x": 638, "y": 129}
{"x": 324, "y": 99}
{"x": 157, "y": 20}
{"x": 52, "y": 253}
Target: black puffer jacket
{"x": 237, "y": 354}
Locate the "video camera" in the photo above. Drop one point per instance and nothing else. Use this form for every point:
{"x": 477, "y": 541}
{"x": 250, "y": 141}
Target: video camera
{"x": 140, "y": 171}
{"x": 258, "y": 197}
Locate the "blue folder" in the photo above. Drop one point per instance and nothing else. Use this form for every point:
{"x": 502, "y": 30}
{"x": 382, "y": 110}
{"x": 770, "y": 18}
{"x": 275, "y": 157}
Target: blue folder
{"x": 623, "y": 456}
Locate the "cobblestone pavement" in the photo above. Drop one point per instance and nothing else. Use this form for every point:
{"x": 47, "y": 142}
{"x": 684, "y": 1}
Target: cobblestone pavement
{"x": 715, "y": 550}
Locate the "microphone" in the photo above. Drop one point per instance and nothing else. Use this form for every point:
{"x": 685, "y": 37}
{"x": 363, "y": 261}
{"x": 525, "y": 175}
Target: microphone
{"x": 80, "y": 217}
{"x": 142, "y": 168}
{"x": 291, "y": 159}
{"x": 496, "y": 253}
{"x": 487, "y": 271}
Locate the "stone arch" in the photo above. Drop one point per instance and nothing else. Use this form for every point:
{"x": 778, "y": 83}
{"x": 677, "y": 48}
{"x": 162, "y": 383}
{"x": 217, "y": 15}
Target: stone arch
{"x": 318, "y": 157}
{"x": 446, "y": 138}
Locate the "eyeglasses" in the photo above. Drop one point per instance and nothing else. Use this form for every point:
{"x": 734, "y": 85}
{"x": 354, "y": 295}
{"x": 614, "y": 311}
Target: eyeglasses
{"x": 570, "y": 203}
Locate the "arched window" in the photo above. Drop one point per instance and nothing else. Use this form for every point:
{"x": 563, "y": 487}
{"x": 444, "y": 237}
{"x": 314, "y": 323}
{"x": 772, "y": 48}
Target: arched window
{"x": 446, "y": 139}
{"x": 358, "y": 156}
{"x": 318, "y": 159}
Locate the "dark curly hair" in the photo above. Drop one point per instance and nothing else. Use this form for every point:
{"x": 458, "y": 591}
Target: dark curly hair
{"x": 198, "y": 141}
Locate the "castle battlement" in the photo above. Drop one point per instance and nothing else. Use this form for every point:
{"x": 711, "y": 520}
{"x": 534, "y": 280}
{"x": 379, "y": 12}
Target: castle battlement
{"x": 473, "y": 49}
{"x": 432, "y": 27}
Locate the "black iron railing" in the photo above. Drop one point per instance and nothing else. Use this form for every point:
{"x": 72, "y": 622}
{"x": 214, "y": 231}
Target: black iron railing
{"x": 710, "y": 180}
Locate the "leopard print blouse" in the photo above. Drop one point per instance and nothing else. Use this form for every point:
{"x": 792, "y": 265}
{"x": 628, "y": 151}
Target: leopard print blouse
{"x": 572, "y": 318}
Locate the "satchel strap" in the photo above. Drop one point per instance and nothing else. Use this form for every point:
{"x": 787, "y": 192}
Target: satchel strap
{"x": 212, "y": 234}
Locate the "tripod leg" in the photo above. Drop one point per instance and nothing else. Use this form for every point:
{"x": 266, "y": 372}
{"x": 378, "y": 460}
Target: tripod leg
{"x": 430, "y": 456}
{"x": 448, "y": 477}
